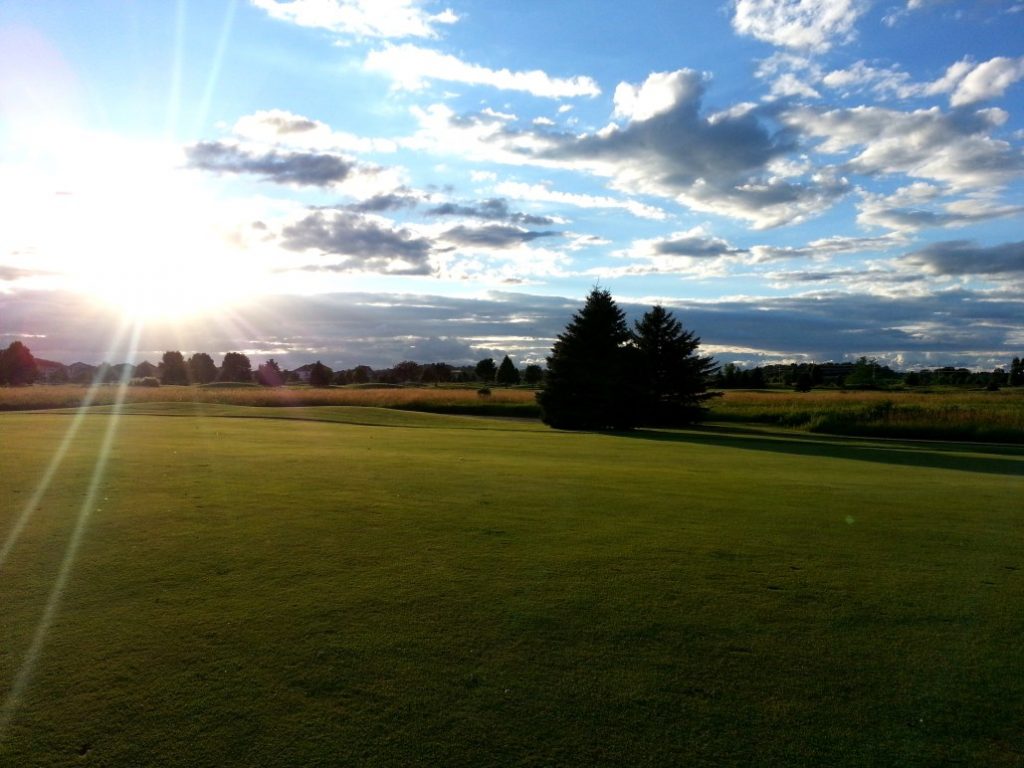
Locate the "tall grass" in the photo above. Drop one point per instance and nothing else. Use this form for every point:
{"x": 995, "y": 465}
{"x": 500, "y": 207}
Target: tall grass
{"x": 501, "y": 402}
{"x": 951, "y": 415}
{"x": 947, "y": 415}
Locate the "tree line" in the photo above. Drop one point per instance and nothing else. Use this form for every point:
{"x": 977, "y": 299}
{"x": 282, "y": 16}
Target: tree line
{"x": 19, "y": 367}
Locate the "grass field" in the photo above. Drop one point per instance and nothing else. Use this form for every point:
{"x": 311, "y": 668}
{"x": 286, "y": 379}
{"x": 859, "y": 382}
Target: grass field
{"x": 358, "y": 586}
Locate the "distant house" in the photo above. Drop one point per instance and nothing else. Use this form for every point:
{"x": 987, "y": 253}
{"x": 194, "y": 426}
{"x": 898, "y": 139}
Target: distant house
{"x": 303, "y": 373}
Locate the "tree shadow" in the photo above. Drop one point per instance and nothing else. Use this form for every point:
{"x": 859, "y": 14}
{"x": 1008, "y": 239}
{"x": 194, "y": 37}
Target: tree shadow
{"x": 965, "y": 457}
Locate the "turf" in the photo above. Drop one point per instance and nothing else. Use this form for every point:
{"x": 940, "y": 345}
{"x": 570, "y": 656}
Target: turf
{"x": 357, "y": 587}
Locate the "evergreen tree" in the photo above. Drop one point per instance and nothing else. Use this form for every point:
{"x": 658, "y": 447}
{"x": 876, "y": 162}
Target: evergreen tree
{"x": 672, "y": 377}
{"x": 508, "y": 374}
{"x": 320, "y": 375}
{"x": 486, "y": 370}
{"x": 1016, "y": 372}
{"x": 587, "y": 384}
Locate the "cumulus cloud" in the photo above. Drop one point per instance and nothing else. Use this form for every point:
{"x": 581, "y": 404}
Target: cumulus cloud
{"x": 361, "y": 18}
{"x": 493, "y": 209}
{"x": 966, "y": 257}
{"x": 716, "y": 164}
{"x": 280, "y": 167}
{"x": 987, "y": 80}
{"x": 966, "y": 81}
{"x": 812, "y": 25}
{"x": 366, "y": 244}
{"x": 410, "y": 67}
{"x": 723, "y": 163}
{"x": 952, "y": 148}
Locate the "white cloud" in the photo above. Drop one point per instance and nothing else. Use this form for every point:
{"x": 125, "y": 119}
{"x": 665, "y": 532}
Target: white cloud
{"x": 543, "y": 193}
{"x": 281, "y": 127}
{"x": 987, "y": 80}
{"x": 789, "y": 74}
{"x": 802, "y": 24}
{"x": 718, "y": 164}
{"x": 361, "y": 18}
{"x": 952, "y": 148}
{"x": 411, "y": 67}
{"x": 916, "y": 207}
{"x": 967, "y": 82}
{"x": 659, "y": 93}
{"x": 824, "y": 248}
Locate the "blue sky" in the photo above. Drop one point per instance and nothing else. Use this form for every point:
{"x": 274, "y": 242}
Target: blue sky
{"x": 361, "y": 181}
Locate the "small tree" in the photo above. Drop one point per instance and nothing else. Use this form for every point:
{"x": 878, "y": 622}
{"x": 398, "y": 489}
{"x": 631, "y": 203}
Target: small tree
{"x": 201, "y": 368}
{"x": 236, "y": 367}
{"x": 320, "y": 375}
{"x": 486, "y": 370}
{"x": 17, "y": 365}
{"x": 172, "y": 369}
{"x": 507, "y": 374}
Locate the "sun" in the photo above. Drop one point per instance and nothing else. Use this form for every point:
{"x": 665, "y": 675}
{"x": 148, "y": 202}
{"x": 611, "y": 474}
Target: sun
{"x": 138, "y": 233}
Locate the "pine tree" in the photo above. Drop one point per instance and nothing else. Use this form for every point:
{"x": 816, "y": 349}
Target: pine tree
{"x": 672, "y": 376}
{"x": 587, "y": 385}
{"x": 508, "y": 374}
{"x": 320, "y": 375}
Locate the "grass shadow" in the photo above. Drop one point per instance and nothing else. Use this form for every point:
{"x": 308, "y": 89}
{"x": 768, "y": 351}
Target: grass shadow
{"x": 965, "y": 457}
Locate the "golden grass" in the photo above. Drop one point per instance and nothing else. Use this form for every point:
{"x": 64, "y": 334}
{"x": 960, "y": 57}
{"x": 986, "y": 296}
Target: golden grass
{"x": 412, "y": 398}
{"x": 953, "y": 414}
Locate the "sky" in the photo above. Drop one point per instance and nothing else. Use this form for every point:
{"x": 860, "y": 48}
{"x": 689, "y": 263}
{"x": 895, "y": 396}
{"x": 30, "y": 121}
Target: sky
{"x": 368, "y": 181}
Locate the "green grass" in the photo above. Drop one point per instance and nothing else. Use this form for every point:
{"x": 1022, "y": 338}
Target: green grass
{"x": 344, "y": 586}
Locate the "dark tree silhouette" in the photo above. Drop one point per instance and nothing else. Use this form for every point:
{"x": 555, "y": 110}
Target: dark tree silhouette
{"x": 507, "y": 374}
{"x": 486, "y": 370}
{"x": 533, "y": 374}
{"x": 173, "y": 369}
{"x": 236, "y": 367}
{"x": 17, "y": 365}
{"x": 1016, "y": 377}
{"x": 672, "y": 377}
{"x": 587, "y": 383}
{"x": 269, "y": 374}
{"x": 320, "y": 375}
{"x": 201, "y": 368}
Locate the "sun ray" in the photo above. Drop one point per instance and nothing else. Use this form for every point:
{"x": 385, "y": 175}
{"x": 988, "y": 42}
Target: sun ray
{"x": 22, "y": 678}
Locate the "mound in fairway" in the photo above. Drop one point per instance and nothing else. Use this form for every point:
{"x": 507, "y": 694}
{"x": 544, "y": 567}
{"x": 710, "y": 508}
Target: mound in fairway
{"x": 357, "y": 587}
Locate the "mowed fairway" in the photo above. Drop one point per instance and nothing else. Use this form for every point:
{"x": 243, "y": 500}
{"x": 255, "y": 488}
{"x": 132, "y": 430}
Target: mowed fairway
{"x": 362, "y": 587}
